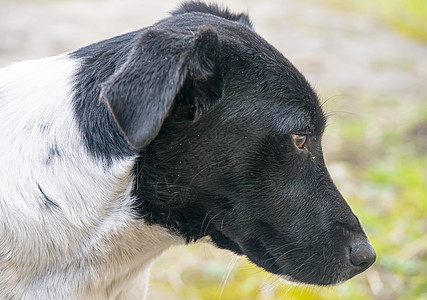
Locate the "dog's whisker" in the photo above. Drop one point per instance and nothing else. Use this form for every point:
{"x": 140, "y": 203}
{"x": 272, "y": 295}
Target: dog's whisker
{"x": 222, "y": 223}
{"x": 207, "y": 225}
{"x": 304, "y": 264}
{"x": 226, "y": 276}
{"x": 203, "y": 222}
{"x": 204, "y": 169}
{"x": 287, "y": 291}
{"x": 267, "y": 285}
{"x": 333, "y": 97}
{"x": 339, "y": 112}
{"x": 277, "y": 259}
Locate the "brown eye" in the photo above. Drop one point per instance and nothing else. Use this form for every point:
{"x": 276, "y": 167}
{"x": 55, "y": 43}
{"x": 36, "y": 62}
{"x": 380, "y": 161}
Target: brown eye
{"x": 299, "y": 140}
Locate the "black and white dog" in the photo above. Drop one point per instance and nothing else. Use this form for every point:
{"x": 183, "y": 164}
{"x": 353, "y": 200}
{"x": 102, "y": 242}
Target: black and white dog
{"x": 193, "y": 127}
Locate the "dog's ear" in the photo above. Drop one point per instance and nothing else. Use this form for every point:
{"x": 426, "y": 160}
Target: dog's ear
{"x": 140, "y": 93}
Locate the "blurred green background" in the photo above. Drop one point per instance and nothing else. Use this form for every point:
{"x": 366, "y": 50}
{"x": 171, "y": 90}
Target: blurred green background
{"x": 368, "y": 62}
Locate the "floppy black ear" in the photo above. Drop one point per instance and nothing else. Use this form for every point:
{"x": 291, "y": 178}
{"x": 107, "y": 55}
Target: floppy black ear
{"x": 141, "y": 93}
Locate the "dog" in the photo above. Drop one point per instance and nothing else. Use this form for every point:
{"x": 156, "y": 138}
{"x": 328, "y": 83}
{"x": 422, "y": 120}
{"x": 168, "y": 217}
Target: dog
{"x": 194, "y": 127}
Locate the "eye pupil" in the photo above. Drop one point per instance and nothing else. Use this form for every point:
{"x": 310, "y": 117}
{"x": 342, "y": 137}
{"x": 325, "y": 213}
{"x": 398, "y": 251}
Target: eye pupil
{"x": 299, "y": 140}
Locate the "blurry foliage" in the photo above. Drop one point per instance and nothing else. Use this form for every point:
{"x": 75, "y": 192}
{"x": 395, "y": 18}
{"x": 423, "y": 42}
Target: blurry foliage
{"x": 389, "y": 192}
{"x": 406, "y": 16}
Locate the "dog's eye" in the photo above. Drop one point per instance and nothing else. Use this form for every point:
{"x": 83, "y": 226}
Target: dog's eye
{"x": 299, "y": 140}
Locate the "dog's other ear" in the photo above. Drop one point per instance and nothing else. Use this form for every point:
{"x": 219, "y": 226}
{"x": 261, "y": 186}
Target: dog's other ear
{"x": 140, "y": 93}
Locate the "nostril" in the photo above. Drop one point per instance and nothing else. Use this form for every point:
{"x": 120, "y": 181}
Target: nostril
{"x": 362, "y": 255}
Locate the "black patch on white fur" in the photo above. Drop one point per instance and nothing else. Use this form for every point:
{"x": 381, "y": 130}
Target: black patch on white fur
{"x": 142, "y": 92}
{"x": 47, "y": 201}
{"x": 44, "y": 127}
{"x": 99, "y": 61}
{"x": 53, "y": 152}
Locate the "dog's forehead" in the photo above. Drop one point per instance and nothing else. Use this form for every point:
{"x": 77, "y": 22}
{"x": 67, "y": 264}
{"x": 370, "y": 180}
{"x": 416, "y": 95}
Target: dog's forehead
{"x": 277, "y": 115}
{"x": 268, "y": 83}
{"x": 273, "y": 92}
{"x": 295, "y": 107}
{"x": 257, "y": 77}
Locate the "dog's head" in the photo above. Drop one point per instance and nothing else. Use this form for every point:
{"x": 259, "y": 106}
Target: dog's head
{"x": 230, "y": 134}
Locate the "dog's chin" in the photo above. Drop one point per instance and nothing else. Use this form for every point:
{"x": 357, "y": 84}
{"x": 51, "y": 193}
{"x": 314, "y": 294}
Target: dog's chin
{"x": 274, "y": 263}
{"x": 257, "y": 251}
{"x": 259, "y": 254}
{"x": 254, "y": 249}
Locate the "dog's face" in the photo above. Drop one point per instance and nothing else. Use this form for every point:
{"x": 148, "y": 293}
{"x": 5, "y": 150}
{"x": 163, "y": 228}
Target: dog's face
{"x": 230, "y": 137}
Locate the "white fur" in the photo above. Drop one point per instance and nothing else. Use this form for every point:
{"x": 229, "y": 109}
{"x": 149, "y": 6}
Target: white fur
{"x": 90, "y": 246}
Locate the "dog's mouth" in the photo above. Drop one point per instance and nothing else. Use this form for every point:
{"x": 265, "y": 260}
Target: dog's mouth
{"x": 222, "y": 241}
{"x": 257, "y": 251}
{"x": 254, "y": 248}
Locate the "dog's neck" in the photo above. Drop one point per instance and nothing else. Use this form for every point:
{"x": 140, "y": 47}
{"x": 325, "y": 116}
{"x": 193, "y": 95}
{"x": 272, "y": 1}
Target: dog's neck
{"x": 120, "y": 262}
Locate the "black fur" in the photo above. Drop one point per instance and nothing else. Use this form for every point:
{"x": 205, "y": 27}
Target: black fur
{"x": 98, "y": 62}
{"x": 212, "y": 9}
{"x": 141, "y": 96}
{"x": 212, "y": 108}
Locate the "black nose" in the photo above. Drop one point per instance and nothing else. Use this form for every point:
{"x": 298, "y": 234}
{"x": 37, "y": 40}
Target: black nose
{"x": 362, "y": 255}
